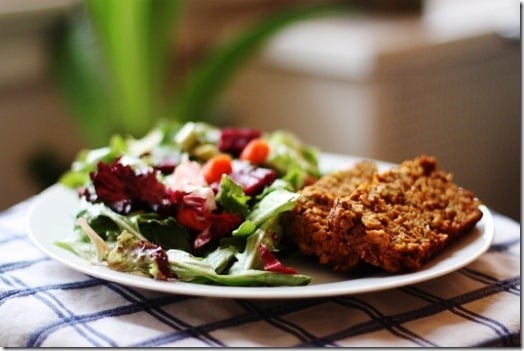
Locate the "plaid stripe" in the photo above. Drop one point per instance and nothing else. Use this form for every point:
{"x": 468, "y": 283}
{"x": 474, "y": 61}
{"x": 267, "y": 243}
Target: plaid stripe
{"x": 43, "y": 303}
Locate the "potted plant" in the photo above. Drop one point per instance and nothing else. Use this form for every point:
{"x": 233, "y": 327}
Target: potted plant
{"x": 112, "y": 61}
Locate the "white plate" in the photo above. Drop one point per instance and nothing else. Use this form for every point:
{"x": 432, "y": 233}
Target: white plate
{"x": 52, "y": 216}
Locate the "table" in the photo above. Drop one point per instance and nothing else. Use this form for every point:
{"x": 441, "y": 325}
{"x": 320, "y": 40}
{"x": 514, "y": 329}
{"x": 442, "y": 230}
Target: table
{"x": 46, "y": 304}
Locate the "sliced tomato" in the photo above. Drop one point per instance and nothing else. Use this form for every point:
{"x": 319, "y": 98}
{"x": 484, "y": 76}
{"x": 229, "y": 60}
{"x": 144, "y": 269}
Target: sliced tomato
{"x": 190, "y": 218}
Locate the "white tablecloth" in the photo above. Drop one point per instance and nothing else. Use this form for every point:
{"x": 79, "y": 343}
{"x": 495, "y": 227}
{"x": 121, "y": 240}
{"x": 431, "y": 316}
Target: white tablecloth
{"x": 44, "y": 303}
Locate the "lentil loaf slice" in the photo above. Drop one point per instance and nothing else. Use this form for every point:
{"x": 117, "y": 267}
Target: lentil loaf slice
{"x": 307, "y": 224}
{"x": 404, "y": 216}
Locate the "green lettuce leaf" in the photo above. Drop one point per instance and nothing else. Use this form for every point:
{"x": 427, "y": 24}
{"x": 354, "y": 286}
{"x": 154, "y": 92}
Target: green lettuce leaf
{"x": 294, "y": 161}
{"x": 200, "y": 270}
{"x": 231, "y": 196}
{"x": 270, "y": 206}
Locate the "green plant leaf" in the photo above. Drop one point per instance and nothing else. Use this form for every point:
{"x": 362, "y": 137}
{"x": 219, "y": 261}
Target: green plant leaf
{"x": 122, "y": 30}
{"x": 111, "y": 62}
{"x": 166, "y": 17}
{"x": 136, "y": 37}
{"x": 204, "y": 84}
{"x": 75, "y": 64}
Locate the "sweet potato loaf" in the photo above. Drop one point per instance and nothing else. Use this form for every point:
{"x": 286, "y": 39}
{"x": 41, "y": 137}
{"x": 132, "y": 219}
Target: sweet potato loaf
{"x": 404, "y": 216}
{"x": 307, "y": 224}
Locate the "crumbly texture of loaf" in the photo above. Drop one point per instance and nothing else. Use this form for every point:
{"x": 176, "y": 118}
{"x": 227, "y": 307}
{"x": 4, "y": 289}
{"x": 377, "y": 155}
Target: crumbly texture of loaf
{"x": 404, "y": 216}
{"x": 307, "y": 224}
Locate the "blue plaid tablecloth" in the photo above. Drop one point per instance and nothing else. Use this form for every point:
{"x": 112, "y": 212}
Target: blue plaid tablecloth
{"x": 46, "y": 304}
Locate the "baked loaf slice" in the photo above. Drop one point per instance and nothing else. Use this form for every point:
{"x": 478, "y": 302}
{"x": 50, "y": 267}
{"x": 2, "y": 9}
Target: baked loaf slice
{"x": 307, "y": 224}
{"x": 404, "y": 216}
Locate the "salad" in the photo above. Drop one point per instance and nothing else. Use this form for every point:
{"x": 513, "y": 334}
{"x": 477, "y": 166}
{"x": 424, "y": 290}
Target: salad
{"x": 191, "y": 202}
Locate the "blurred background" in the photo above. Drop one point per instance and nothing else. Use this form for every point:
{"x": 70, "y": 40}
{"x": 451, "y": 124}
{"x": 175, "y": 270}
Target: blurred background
{"x": 379, "y": 79}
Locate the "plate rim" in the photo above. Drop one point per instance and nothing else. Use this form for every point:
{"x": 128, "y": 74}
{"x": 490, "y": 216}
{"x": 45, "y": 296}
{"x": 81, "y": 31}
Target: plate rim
{"x": 344, "y": 287}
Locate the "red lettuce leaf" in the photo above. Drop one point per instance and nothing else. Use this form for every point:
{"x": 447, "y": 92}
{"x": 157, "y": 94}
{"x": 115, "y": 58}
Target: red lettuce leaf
{"x": 271, "y": 263}
{"x": 123, "y": 189}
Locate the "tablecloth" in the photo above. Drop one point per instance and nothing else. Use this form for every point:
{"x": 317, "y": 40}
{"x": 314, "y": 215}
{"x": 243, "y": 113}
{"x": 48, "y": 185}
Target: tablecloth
{"x": 46, "y": 304}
